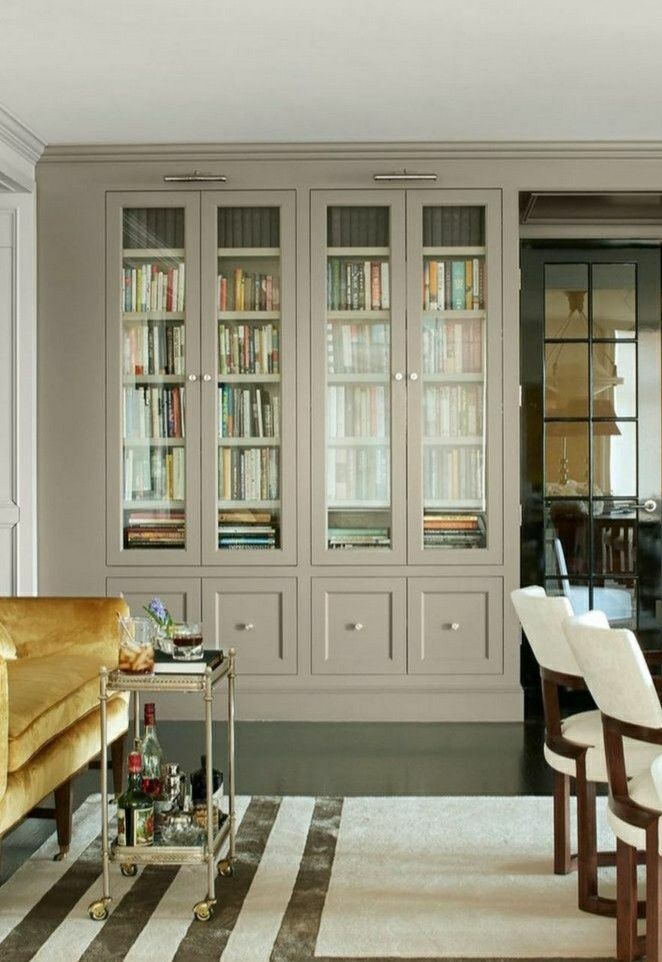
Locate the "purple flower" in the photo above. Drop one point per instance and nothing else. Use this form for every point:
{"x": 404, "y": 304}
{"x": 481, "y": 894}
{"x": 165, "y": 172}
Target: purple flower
{"x": 158, "y": 611}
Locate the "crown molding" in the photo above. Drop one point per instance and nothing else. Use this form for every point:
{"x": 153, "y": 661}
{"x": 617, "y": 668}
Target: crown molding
{"x": 515, "y": 150}
{"x": 20, "y": 138}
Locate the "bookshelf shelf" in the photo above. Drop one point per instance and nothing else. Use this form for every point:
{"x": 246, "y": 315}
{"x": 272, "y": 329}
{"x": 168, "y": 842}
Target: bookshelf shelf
{"x": 249, "y": 316}
{"x": 454, "y": 504}
{"x": 368, "y": 252}
{"x": 153, "y": 378}
{"x": 454, "y": 251}
{"x": 373, "y": 316}
{"x": 153, "y": 253}
{"x": 236, "y": 253}
{"x": 456, "y": 315}
{"x": 453, "y": 378}
{"x": 360, "y": 442}
{"x": 154, "y": 442}
{"x": 357, "y": 505}
{"x": 145, "y": 316}
{"x": 248, "y": 378}
{"x": 358, "y": 378}
{"x": 460, "y": 441}
{"x": 153, "y": 505}
{"x": 247, "y": 505}
{"x": 248, "y": 442}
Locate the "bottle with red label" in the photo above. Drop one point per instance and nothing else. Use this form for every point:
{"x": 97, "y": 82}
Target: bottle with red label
{"x": 135, "y": 809}
{"x": 152, "y": 755}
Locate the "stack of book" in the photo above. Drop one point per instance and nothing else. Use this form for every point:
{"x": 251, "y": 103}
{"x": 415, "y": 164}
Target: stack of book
{"x": 453, "y": 530}
{"x": 248, "y": 349}
{"x": 452, "y": 347}
{"x": 358, "y": 538}
{"x": 154, "y": 347}
{"x": 248, "y": 474}
{"x": 247, "y": 412}
{"x": 155, "y": 529}
{"x": 357, "y": 285}
{"x": 454, "y": 285}
{"x": 246, "y": 530}
{"x": 248, "y": 291}
{"x": 149, "y": 287}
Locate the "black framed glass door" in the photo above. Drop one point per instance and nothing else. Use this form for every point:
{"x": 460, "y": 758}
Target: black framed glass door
{"x": 590, "y": 374}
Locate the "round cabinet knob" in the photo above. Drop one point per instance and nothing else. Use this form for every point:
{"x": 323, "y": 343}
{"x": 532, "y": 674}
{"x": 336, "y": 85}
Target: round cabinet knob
{"x": 206, "y": 377}
{"x": 193, "y": 377}
{"x": 358, "y": 626}
{"x": 455, "y": 626}
{"x": 398, "y": 376}
{"x": 413, "y": 376}
{"x": 248, "y": 626}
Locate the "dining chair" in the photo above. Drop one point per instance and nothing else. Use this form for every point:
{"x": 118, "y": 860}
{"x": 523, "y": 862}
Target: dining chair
{"x": 574, "y": 746}
{"x": 626, "y": 693}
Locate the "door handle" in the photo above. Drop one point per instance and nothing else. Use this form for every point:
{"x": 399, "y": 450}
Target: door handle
{"x": 649, "y": 505}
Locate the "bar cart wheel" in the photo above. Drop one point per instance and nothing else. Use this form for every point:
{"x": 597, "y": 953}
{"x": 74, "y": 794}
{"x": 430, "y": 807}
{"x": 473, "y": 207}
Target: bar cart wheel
{"x": 128, "y": 869}
{"x": 203, "y": 910}
{"x": 226, "y": 868}
{"x": 98, "y": 911}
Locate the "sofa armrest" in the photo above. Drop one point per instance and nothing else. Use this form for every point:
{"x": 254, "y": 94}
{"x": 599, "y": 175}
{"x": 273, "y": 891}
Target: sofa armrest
{"x": 4, "y": 726}
{"x": 46, "y": 626}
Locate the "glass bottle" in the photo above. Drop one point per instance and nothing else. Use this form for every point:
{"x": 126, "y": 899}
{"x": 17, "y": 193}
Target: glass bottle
{"x": 135, "y": 809}
{"x": 199, "y": 781}
{"x": 152, "y": 754}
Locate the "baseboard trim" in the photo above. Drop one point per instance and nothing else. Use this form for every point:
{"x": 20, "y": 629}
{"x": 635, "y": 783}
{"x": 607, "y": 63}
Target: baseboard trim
{"x": 504, "y": 705}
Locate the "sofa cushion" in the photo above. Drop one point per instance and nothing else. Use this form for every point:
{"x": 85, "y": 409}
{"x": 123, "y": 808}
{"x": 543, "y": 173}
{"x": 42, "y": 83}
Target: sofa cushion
{"x": 7, "y": 646}
{"x": 47, "y": 695}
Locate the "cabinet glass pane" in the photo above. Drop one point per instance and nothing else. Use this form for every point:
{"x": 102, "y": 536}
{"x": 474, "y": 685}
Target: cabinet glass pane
{"x": 248, "y": 374}
{"x": 358, "y": 391}
{"x": 453, "y": 373}
{"x": 153, "y": 364}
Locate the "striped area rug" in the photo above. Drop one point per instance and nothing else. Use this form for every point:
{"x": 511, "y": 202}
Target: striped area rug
{"x": 320, "y": 880}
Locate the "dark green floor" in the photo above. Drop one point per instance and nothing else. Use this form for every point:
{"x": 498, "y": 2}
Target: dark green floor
{"x": 289, "y": 758}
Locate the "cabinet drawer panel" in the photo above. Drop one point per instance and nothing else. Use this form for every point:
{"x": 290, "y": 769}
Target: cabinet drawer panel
{"x": 181, "y": 596}
{"x": 257, "y": 616}
{"x": 455, "y": 626}
{"x": 359, "y": 626}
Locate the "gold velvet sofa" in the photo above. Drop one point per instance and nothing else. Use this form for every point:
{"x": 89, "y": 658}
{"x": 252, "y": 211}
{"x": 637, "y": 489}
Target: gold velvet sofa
{"x": 51, "y": 650}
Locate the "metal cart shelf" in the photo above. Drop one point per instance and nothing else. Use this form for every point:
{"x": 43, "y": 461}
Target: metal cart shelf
{"x": 129, "y": 857}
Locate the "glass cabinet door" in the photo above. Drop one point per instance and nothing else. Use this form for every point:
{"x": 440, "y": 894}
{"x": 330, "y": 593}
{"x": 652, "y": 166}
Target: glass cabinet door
{"x": 153, "y": 356}
{"x": 359, "y": 387}
{"x": 249, "y": 378}
{"x": 454, "y": 330}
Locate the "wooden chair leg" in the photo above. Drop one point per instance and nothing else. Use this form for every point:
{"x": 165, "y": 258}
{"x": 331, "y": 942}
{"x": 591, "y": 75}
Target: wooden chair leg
{"x": 653, "y": 893}
{"x": 562, "y": 857}
{"x": 117, "y": 763}
{"x": 587, "y": 843}
{"x": 64, "y": 809}
{"x": 626, "y": 902}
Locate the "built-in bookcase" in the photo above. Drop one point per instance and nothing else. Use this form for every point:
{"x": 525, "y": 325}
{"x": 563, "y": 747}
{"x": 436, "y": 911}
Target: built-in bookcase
{"x": 200, "y": 341}
{"x": 407, "y": 429}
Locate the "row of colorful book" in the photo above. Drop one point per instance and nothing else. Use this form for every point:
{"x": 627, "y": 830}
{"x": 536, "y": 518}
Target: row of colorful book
{"x": 153, "y": 411}
{"x": 453, "y": 474}
{"x": 357, "y": 285}
{"x": 153, "y": 227}
{"x": 248, "y": 474}
{"x": 154, "y": 474}
{"x": 452, "y": 410}
{"x": 148, "y": 287}
{"x": 358, "y": 474}
{"x": 248, "y": 227}
{"x": 357, "y": 411}
{"x": 248, "y": 291}
{"x": 377, "y": 537}
{"x": 155, "y": 529}
{"x": 358, "y": 226}
{"x": 452, "y": 347}
{"x": 245, "y": 530}
{"x": 445, "y": 530}
{"x": 154, "y": 347}
{"x": 454, "y": 285}
{"x": 248, "y": 349}
{"x": 357, "y": 348}
{"x": 248, "y": 412}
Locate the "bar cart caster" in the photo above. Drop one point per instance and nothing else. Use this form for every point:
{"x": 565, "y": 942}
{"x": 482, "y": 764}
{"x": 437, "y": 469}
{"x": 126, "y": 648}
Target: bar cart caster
{"x": 128, "y": 869}
{"x": 226, "y": 868}
{"x": 203, "y": 910}
{"x": 98, "y": 911}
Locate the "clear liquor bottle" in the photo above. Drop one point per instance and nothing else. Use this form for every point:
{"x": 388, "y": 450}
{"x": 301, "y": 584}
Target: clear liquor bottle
{"x": 135, "y": 809}
{"x": 152, "y": 755}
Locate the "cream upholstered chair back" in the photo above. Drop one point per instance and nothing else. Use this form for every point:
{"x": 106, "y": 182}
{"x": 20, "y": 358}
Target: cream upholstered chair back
{"x": 615, "y": 671}
{"x": 542, "y": 616}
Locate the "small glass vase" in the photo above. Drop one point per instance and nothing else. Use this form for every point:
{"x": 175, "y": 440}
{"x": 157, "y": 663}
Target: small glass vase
{"x": 164, "y": 640}
{"x": 187, "y": 642}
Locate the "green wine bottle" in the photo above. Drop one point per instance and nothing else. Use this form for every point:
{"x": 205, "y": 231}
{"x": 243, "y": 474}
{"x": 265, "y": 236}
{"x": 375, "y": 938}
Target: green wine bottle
{"x": 135, "y": 809}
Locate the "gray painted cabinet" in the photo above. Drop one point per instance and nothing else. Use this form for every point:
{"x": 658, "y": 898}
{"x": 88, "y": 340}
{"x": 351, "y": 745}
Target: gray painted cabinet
{"x": 302, "y": 424}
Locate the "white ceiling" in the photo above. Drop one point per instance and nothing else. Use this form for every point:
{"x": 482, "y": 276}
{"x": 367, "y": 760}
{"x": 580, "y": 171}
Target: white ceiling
{"x": 146, "y": 71}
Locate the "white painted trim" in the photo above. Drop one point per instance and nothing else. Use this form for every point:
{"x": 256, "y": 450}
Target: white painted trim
{"x": 19, "y": 137}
